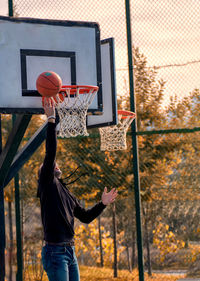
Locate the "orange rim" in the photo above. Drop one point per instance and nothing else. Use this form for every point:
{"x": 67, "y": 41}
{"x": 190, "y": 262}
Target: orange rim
{"x": 125, "y": 114}
{"x": 83, "y": 89}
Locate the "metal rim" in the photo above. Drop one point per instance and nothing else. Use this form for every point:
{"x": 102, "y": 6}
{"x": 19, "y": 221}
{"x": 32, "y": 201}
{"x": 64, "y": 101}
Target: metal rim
{"x": 83, "y": 89}
{"x": 125, "y": 114}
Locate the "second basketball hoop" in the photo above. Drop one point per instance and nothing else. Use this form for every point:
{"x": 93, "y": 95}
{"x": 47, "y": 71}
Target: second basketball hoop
{"x": 72, "y": 104}
{"x": 113, "y": 138}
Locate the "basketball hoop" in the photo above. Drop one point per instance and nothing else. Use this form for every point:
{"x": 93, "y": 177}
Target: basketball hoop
{"x": 72, "y": 104}
{"x": 114, "y": 137}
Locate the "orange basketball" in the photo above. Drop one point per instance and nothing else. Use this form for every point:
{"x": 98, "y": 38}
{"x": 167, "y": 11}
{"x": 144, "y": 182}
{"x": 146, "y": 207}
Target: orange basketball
{"x": 48, "y": 84}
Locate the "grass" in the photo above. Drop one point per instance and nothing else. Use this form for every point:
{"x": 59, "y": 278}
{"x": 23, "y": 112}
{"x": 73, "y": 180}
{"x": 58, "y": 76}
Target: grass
{"x": 106, "y": 274}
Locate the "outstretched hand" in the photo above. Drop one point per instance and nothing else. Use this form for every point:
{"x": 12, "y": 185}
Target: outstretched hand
{"x": 108, "y": 197}
{"x": 49, "y": 107}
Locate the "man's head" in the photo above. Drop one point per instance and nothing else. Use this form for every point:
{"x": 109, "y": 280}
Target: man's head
{"x": 57, "y": 171}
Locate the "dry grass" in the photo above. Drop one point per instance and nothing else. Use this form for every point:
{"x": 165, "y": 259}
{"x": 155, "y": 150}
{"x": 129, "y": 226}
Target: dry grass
{"x": 106, "y": 274}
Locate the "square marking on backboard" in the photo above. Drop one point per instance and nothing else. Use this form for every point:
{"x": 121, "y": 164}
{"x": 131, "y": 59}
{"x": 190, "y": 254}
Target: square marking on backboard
{"x": 33, "y": 62}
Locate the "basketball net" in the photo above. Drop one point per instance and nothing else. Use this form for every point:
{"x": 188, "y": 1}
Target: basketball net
{"x": 72, "y": 105}
{"x": 113, "y": 138}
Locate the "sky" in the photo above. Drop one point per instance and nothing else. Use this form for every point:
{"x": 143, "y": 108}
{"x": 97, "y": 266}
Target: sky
{"x": 3, "y": 7}
{"x": 167, "y": 32}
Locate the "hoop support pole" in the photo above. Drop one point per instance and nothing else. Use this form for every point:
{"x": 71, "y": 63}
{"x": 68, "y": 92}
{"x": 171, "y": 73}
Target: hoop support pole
{"x": 134, "y": 146}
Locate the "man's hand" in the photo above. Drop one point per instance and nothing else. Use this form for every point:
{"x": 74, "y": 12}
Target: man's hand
{"x": 108, "y": 197}
{"x": 49, "y": 108}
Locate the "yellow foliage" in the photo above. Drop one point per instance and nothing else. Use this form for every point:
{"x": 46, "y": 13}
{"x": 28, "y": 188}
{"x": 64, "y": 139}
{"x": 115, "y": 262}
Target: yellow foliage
{"x": 165, "y": 240}
{"x": 129, "y": 178}
{"x": 93, "y": 165}
{"x": 105, "y": 274}
{"x": 87, "y": 241}
{"x": 96, "y": 273}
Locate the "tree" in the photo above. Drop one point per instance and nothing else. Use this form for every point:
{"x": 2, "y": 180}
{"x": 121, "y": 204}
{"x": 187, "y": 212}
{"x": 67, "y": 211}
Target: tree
{"x": 165, "y": 240}
{"x": 88, "y": 246}
{"x": 158, "y": 156}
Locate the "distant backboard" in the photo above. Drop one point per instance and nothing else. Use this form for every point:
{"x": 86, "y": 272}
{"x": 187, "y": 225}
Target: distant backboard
{"x": 29, "y": 47}
{"x": 109, "y": 115}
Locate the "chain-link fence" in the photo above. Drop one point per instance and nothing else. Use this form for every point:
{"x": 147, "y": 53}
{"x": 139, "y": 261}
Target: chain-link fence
{"x": 166, "y": 55}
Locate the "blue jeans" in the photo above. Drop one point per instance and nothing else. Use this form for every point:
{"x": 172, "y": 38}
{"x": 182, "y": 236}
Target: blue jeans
{"x": 60, "y": 263}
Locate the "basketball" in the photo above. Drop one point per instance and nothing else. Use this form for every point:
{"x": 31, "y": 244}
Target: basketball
{"x": 48, "y": 84}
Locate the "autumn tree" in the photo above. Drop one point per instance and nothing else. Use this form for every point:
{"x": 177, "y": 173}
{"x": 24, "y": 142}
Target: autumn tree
{"x": 157, "y": 152}
{"x": 184, "y": 181}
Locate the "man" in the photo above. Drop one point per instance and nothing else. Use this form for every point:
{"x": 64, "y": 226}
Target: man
{"x": 58, "y": 209}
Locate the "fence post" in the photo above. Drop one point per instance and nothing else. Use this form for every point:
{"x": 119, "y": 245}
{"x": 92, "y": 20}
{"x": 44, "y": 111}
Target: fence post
{"x": 2, "y": 223}
{"x": 10, "y": 8}
{"x": 19, "y": 274}
{"x": 135, "y": 146}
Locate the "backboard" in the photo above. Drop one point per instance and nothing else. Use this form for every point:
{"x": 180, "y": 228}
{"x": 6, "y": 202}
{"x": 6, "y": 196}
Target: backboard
{"x": 29, "y": 47}
{"x": 109, "y": 115}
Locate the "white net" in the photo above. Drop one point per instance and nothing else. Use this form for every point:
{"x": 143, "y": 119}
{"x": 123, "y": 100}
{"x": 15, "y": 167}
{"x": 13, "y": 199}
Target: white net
{"x": 114, "y": 137}
{"x": 72, "y": 107}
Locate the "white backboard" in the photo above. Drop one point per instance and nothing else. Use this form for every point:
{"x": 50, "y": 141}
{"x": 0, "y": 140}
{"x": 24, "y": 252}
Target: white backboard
{"x": 29, "y": 47}
{"x": 109, "y": 115}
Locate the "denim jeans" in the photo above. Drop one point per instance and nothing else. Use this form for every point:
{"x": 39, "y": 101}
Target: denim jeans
{"x": 60, "y": 263}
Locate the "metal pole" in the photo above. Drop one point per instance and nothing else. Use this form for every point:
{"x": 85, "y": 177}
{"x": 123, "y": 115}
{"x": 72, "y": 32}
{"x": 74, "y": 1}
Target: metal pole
{"x": 2, "y": 218}
{"x": 19, "y": 275}
{"x": 10, "y": 8}
{"x": 135, "y": 146}
{"x": 2, "y": 223}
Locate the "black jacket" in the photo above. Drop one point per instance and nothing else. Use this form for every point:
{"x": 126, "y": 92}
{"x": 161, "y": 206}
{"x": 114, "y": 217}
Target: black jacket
{"x": 58, "y": 205}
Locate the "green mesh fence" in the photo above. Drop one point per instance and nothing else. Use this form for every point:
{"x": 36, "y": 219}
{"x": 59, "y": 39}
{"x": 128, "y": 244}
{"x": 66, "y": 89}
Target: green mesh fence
{"x": 166, "y": 55}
